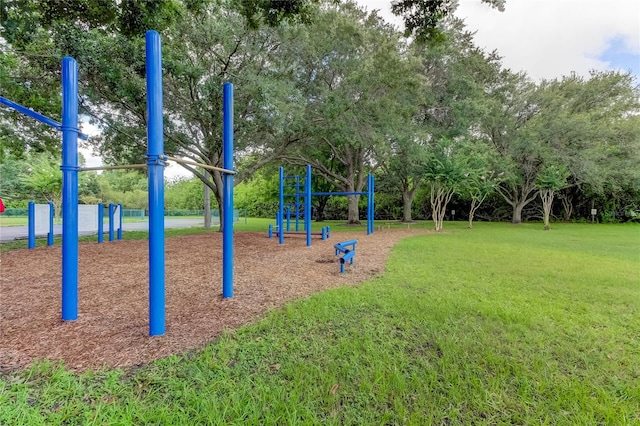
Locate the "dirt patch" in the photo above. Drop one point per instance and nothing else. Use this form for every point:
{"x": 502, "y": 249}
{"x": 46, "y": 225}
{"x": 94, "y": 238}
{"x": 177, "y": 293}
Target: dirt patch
{"x": 112, "y": 328}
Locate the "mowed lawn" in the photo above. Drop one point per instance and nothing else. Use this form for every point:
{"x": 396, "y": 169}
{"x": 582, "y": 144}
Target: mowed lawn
{"x": 500, "y": 324}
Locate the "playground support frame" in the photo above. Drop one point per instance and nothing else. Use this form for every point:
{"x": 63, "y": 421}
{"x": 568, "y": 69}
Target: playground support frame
{"x": 155, "y": 164}
{"x": 307, "y": 194}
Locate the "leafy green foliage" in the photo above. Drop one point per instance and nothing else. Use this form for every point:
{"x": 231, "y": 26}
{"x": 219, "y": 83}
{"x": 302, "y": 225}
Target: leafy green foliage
{"x": 422, "y": 18}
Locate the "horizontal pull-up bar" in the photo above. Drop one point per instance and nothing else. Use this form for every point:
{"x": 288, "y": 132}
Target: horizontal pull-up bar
{"x": 36, "y": 115}
{"x": 122, "y": 166}
{"x": 338, "y": 193}
{"x": 204, "y": 166}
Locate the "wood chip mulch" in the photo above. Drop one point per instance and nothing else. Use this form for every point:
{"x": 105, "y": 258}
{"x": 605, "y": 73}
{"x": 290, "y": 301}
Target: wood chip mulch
{"x": 112, "y": 329}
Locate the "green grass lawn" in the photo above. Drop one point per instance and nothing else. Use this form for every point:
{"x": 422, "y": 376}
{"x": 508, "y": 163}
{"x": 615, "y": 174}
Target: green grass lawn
{"x": 500, "y": 324}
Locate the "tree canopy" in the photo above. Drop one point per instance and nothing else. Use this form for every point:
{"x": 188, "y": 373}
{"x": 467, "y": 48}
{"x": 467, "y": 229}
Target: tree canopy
{"x": 330, "y": 84}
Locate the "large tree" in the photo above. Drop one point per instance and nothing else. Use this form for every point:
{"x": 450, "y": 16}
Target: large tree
{"x": 448, "y": 104}
{"x": 353, "y": 82}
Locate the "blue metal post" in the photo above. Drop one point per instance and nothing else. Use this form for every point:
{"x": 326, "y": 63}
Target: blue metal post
{"x": 32, "y": 225}
{"x": 69, "y": 169}
{"x": 120, "y": 222}
{"x": 281, "y": 208}
{"x": 112, "y": 209}
{"x": 270, "y": 230}
{"x": 297, "y": 203}
{"x": 50, "y": 234}
{"x": 227, "y": 194}
{"x": 368, "y": 204}
{"x": 324, "y": 233}
{"x": 373, "y": 204}
{"x": 307, "y": 207}
{"x": 100, "y": 222}
{"x": 155, "y": 167}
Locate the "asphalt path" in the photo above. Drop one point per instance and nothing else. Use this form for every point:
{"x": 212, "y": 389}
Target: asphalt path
{"x": 10, "y": 233}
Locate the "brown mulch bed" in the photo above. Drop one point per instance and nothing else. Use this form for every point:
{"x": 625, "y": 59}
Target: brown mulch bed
{"x": 112, "y": 329}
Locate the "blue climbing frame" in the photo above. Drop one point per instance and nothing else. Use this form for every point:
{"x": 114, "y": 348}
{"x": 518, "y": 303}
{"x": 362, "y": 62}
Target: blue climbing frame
{"x": 306, "y": 195}
{"x": 155, "y": 162}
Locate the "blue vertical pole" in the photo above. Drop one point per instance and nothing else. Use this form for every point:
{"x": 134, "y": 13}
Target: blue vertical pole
{"x": 297, "y": 203}
{"x": 227, "y": 194}
{"x": 155, "y": 167}
{"x": 281, "y": 208}
{"x": 112, "y": 210}
{"x": 50, "y": 234}
{"x": 307, "y": 207}
{"x": 270, "y": 230}
{"x": 100, "y": 222}
{"x": 32, "y": 225}
{"x": 373, "y": 204}
{"x": 69, "y": 169}
{"x": 120, "y": 222}
{"x": 368, "y": 204}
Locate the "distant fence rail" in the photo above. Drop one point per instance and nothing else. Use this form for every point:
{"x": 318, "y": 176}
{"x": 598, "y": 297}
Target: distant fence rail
{"x": 142, "y": 213}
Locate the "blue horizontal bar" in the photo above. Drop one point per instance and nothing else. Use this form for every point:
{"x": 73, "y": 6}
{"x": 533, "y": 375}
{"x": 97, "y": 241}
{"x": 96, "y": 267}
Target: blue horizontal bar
{"x": 36, "y": 115}
{"x": 339, "y": 193}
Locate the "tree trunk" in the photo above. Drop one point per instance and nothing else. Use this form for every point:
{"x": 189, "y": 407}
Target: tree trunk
{"x": 207, "y": 204}
{"x": 547, "y": 200}
{"x": 440, "y": 197}
{"x": 516, "y": 218}
{"x": 567, "y": 205}
{"x": 354, "y": 211}
{"x": 322, "y": 204}
{"x": 407, "y": 201}
{"x": 217, "y": 179}
{"x": 516, "y": 196}
{"x": 472, "y": 212}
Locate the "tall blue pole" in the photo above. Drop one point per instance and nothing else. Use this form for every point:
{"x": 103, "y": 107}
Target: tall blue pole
{"x": 100, "y": 222}
{"x": 155, "y": 167}
{"x": 31, "y": 218}
{"x": 227, "y": 190}
{"x": 50, "y": 234}
{"x": 281, "y": 208}
{"x": 112, "y": 210}
{"x": 368, "y": 204}
{"x": 120, "y": 221}
{"x": 373, "y": 204}
{"x": 297, "y": 203}
{"x": 69, "y": 169}
{"x": 307, "y": 206}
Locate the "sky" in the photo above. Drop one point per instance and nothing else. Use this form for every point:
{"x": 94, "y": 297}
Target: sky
{"x": 552, "y": 38}
{"x": 545, "y": 38}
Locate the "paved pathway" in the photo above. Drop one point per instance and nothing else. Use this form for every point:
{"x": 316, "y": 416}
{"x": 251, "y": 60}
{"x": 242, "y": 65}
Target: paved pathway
{"x": 10, "y": 233}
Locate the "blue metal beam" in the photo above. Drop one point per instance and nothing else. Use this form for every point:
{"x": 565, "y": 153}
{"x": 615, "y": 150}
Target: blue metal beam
{"x": 339, "y": 193}
{"x": 37, "y": 116}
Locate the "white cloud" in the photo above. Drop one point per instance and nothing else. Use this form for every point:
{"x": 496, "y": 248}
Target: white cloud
{"x": 547, "y": 38}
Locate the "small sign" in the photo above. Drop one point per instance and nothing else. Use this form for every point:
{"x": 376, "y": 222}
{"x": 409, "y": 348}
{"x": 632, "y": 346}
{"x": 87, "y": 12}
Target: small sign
{"x": 453, "y": 212}
{"x": 594, "y": 212}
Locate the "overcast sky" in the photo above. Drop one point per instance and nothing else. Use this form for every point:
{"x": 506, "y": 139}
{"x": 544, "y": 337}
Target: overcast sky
{"x": 551, "y": 38}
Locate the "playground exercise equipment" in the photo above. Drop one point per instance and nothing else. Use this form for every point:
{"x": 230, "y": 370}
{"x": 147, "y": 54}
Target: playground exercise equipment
{"x": 90, "y": 219}
{"x": 294, "y": 208}
{"x": 348, "y": 251}
{"x": 155, "y": 166}
{"x": 325, "y": 232}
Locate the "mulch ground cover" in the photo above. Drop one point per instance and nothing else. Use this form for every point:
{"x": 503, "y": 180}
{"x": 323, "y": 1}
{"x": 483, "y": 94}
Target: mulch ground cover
{"x": 112, "y": 329}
